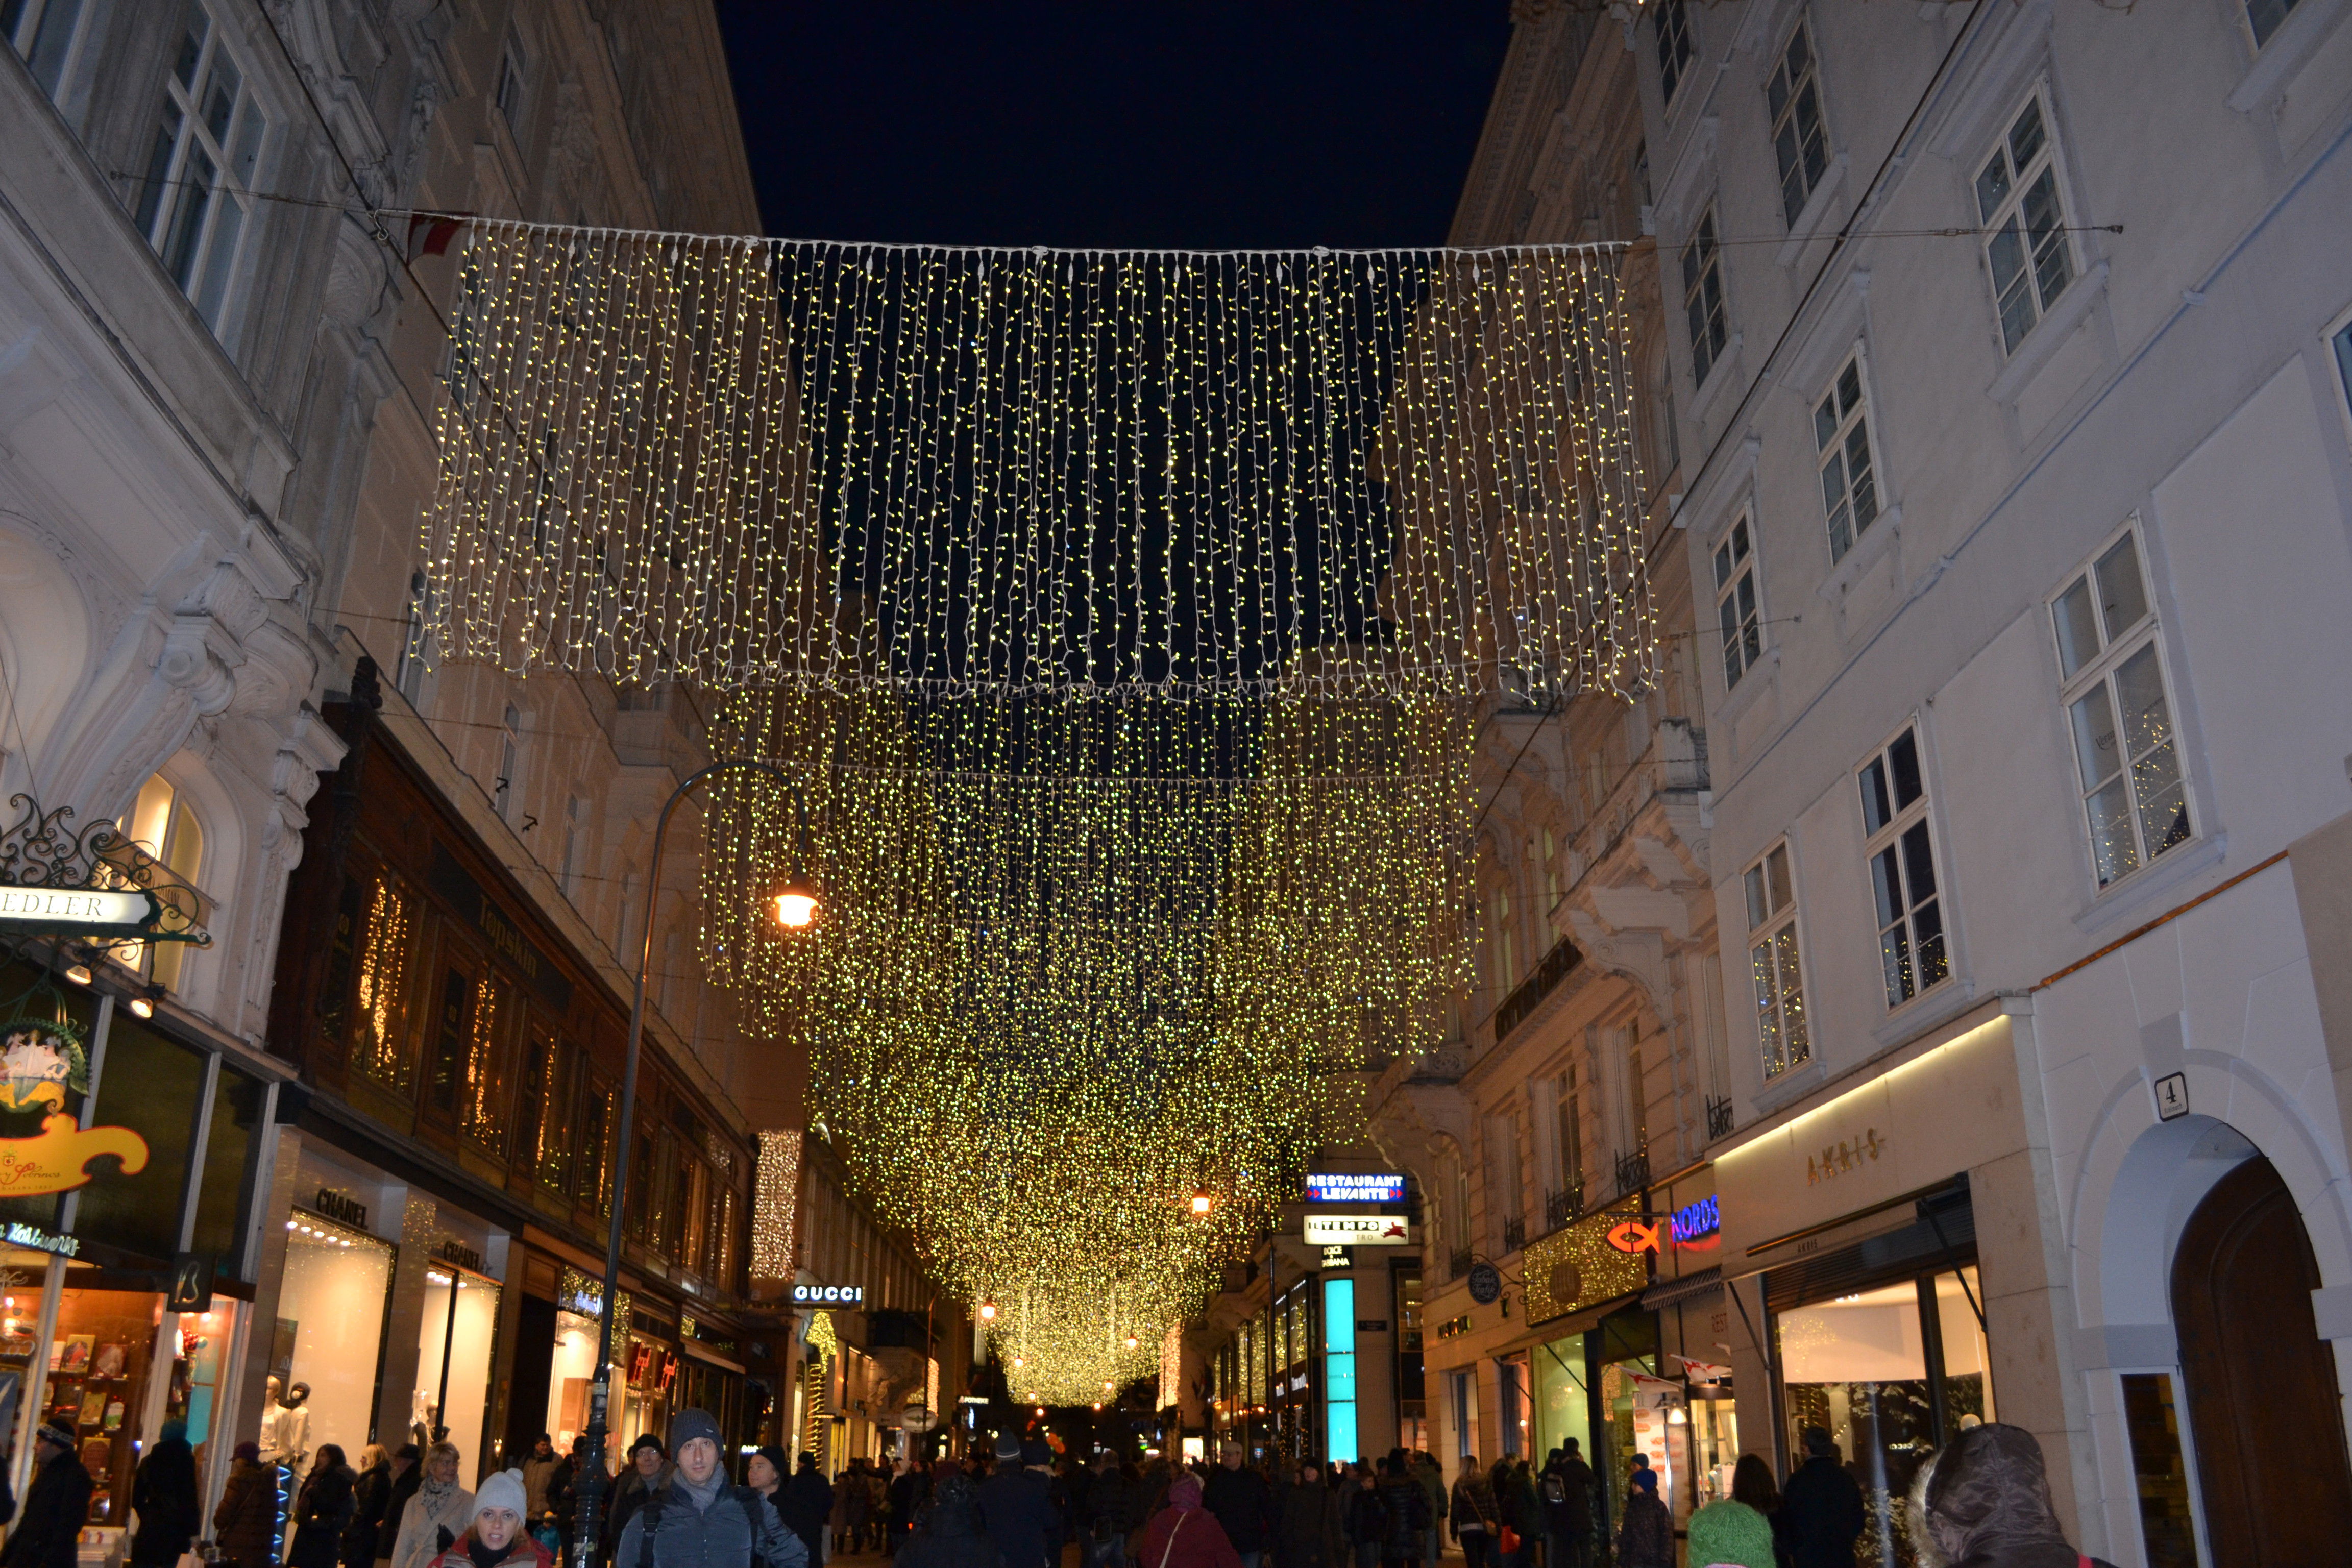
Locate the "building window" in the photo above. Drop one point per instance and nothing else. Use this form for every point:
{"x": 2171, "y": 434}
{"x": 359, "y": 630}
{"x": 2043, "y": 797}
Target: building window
{"x": 1567, "y": 1137}
{"x": 2134, "y": 798}
{"x": 507, "y": 788}
{"x": 1735, "y": 604}
{"x": 196, "y": 194}
{"x": 1550, "y": 872}
{"x": 1703, "y": 298}
{"x": 1506, "y": 1187}
{"x": 1783, "y": 1033}
{"x": 1799, "y": 141}
{"x": 1902, "y": 859}
{"x": 1505, "y": 938}
{"x": 382, "y": 1051}
{"x": 1849, "y": 477}
{"x": 2341, "y": 342}
{"x": 2026, "y": 247}
{"x": 2264, "y": 17}
{"x": 1674, "y": 49}
{"x": 511, "y": 78}
{"x": 44, "y": 33}
{"x": 161, "y": 825}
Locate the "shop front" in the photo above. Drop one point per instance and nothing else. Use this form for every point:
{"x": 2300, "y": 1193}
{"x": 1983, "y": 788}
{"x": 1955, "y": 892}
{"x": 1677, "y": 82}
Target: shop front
{"x": 1858, "y": 1278}
{"x": 131, "y": 1148}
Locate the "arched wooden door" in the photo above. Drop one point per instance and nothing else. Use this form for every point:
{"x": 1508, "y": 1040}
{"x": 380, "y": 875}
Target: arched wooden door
{"x": 2264, "y": 1412}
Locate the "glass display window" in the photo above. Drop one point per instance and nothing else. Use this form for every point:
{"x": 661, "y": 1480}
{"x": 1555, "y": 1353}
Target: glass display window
{"x": 1563, "y": 1397}
{"x": 1714, "y": 1435}
{"x": 455, "y": 1338}
{"x": 1890, "y": 1372}
{"x": 570, "y": 1371}
{"x": 329, "y": 1328}
{"x": 100, "y": 1363}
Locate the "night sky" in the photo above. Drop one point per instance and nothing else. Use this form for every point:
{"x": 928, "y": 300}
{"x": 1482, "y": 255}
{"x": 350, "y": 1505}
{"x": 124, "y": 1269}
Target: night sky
{"x": 1202, "y": 123}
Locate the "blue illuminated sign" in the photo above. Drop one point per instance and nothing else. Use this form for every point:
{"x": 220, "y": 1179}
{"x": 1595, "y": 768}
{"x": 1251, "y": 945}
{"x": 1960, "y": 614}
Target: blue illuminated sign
{"x": 1349, "y": 1187}
{"x": 1693, "y": 1221}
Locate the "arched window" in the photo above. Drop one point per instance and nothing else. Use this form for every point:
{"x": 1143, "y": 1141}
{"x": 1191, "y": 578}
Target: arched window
{"x": 161, "y": 825}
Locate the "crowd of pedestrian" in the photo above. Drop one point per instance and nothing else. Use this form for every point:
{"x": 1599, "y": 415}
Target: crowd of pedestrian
{"x": 1982, "y": 1503}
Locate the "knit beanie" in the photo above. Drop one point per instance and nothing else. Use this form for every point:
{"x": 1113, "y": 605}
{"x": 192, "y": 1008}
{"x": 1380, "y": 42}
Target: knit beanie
{"x": 1731, "y": 1534}
{"x": 506, "y": 1490}
{"x": 690, "y": 1425}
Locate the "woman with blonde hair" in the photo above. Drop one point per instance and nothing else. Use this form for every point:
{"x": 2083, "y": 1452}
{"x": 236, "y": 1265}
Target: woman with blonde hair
{"x": 369, "y": 1498}
{"x": 436, "y": 1515}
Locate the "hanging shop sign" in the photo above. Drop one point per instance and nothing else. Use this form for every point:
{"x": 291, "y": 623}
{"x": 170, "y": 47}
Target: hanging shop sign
{"x": 38, "y": 1240}
{"x": 1357, "y": 1230}
{"x": 97, "y": 884}
{"x": 1635, "y": 1236}
{"x": 74, "y": 909}
{"x": 828, "y": 1295}
{"x": 1337, "y": 1257}
{"x": 41, "y": 1061}
{"x": 1698, "y": 1226}
{"x": 1353, "y": 1187}
{"x": 1486, "y": 1283}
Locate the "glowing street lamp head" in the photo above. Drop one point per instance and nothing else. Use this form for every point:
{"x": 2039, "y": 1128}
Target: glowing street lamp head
{"x": 1131, "y": 1343}
{"x": 1202, "y": 1204}
{"x": 796, "y": 903}
{"x": 988, "y": 1311}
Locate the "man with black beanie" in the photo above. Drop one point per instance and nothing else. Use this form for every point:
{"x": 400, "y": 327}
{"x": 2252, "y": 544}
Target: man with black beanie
{"x": 1018, "y": 1508}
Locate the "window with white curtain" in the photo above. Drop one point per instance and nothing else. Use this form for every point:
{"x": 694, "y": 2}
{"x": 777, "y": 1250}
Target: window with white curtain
{"x": 194, "y": 199}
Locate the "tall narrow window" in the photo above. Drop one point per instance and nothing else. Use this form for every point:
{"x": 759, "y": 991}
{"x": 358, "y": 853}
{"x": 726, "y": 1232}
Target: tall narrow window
{"x": 44, "y": 32}
{"x": 2129, "y": 766}
{"x": 1505, "y": 939}
{"x": 572, "y": 827}
{"x": 1902, "y": 859}
{"x": 161, "y": 825}
{"x": 380, "y": 1053}
{"x": 1703, "y": 298}
{"x": 1794, "y": 97}
{"x": 511, "y": 81}
{"x": 482, "y": 1101}
{"x": 195, "y": 196}
{"x": 1735, "y": 604}
{"x": 1675, "y": 47}
{"x": 1637, "y": 1086}
{"x": 1849, "y": 477}
{"x": 1568, "y": 1139}
{"x": 2027, "y": 248}
{"x": 1550, "y": 872}
{"x": 1783, "y": 1034}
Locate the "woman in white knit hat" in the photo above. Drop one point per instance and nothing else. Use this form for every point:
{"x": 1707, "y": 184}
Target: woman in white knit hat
{"x": 497, "y": 1538}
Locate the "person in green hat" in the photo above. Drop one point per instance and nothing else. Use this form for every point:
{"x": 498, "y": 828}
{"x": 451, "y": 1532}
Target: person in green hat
{"x": 1728, "y": 1534}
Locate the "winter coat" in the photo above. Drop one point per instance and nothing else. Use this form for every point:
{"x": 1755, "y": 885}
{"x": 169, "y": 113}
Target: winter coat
{"x": 1362, "y": 1518}
{"x": 1730, "y": 1532}
{"x": 1820, "y": 1510}
{"x": 322, "y": 1510}
{"x": 370, "y": 1498}
{"x": 1114, "y": 1505}
{"x": 1646, "y": 1539}
{"x": 1016, "y": 1509}
{"x": 418, "y": 1540}
{"x": 163, "y": 1495}
{"x": 1303, "y": 1536}
{"x": 1433, "y": 1486}
{"x": 48, "y": 1530}
{"x": 536, "y": 1473}
{"x": 849, "y": 1501}
{"x": 908, "y": 1492}
{"x": 1185, "y": 1538}
{"x": 523, "y": 1552}
{"x": 1404, "y": 1508}
{"x": 628, "y": 1496}
{"x": 245, "y": 1524}
{"x": 1567, "y": 1492}
{"x": 806, "y": 1503}
{"x": 404, "y": 1484}
{"x": 1521, "y": 1504}
{"x": 729, "y": 1527}
{"x": 950, "y": 1533}
{"x": 1242, "y": 1504}
{"x": 1988, "y": 1502}
{"x": 1474, "y": 1505}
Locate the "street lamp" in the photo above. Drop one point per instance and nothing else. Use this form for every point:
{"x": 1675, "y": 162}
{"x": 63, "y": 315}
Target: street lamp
{"x": 1202, "y": 1203}
{"x": 796, "y": 906}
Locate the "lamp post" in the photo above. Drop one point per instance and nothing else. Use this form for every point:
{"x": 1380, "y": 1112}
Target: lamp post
{"x": 796, "y": 905}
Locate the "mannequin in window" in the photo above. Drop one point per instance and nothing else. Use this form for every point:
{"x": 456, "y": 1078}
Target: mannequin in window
{"x": 286, "y": 1428}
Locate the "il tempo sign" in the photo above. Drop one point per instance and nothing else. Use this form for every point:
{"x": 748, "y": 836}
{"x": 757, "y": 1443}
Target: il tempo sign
{"x": 1357, "y": 1230}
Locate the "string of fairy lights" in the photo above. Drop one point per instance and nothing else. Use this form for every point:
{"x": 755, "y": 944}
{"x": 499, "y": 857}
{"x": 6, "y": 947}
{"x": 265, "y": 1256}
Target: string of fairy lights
{"x": 1122, "y": 618}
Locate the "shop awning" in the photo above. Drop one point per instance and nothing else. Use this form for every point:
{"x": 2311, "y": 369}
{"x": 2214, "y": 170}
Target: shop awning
{"x": 1689, "y": 1287}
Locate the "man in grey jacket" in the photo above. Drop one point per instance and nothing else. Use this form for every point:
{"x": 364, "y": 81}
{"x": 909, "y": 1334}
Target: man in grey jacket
{"x": 699, "y": 1521}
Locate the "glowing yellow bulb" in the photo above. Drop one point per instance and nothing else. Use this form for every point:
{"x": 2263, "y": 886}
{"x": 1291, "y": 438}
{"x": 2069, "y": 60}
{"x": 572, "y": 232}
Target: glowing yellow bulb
{"x": 795, "y": 908}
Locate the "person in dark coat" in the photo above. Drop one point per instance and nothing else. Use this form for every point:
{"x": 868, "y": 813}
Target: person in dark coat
{"x": 48, "y": 1530}
{"x": 1521, "y": 1509}
{"x": 1568, "y": 1508}
{"x": 1821, "y": 1508}
{"x": 698, "y": 1519}
{"x": 807, "y": 1503}
{"x": 1362, "y": 1520}
{"x": 648, "y": 1472}
{"x": 950, "y": 1533}
{"x": 245, "y": 1523}
{"x": 1113, "y": 1508}
{"x": 1017, "y": 1507}
{"x": 164, "y": 1496}
{"x": 910, "y": 1489}
{"x": 1302, "y": 1514}
{"x": 1241, "y": 1502}
{"x": 324, "y": 1510}
{"x": 1646, "y": 1538}
{"x": 369, "y": 1495}
{"x": 1986, "y": 1503}
{"x": 406, "y": 1477}
{"x": 1404, "y": 1515}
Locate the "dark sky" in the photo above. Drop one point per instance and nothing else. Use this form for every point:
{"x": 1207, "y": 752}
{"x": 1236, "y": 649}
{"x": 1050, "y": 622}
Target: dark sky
{"x": 1199, "y": 123}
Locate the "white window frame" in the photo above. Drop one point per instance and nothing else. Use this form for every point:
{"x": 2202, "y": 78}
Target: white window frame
{"x": 506, "y": 787}
{"x": 2003, "y": 220}
{"x": 24, "y": 32}
{"x": 2093, "y": 702}
{"x": 1837, "y": 419}
{"x": 1738, "y": 612}
{"x": 1791, "y": 95}
{"x": 2254, "y": 34}
{"x": 1568, "y": 1131}
{"x": 514, "y": 72}
{"x": 1677, "y": 49}
{"x": 200, "y": 229}
{"x": 1776, "y": 962}
{"x": 1504, "y": 952}
{"x": 1899, "y": 851}
{"x": 1705, "y": 315}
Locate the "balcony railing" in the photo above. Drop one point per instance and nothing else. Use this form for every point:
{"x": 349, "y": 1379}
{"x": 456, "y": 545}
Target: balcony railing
{"x": 1561, "y": 1207}
{"x": 1515, "y": 1233}
{"x": 1457, "y": 1263}
{"x": 1633, "y": 1172}
{"x": 1529, "y": 995}
{"x": 1719, "y": 1118}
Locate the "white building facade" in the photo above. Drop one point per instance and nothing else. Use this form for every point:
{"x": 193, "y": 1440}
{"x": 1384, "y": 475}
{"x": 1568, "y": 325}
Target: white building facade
{"x": 2012, "y": 341}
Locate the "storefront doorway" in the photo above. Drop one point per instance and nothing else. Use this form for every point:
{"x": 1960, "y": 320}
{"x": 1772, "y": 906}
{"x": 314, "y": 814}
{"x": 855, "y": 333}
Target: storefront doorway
{"x": 2263, "y": 1411}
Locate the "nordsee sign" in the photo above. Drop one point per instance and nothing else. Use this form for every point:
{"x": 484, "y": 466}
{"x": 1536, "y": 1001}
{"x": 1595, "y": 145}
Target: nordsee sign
{"x": 76, "y": 909}
{"x": 1354, "y": 1187}
{"x": 1357, "y": 1230}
